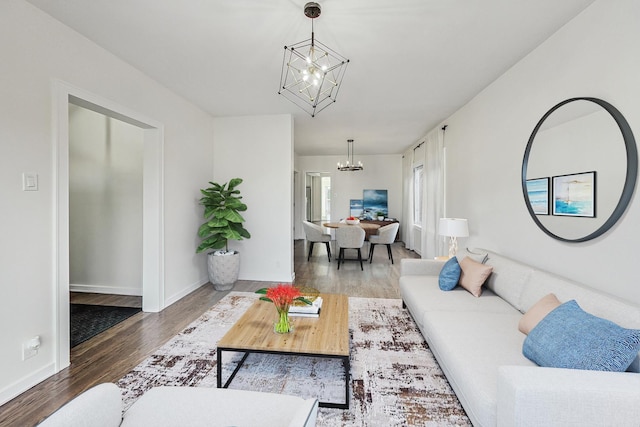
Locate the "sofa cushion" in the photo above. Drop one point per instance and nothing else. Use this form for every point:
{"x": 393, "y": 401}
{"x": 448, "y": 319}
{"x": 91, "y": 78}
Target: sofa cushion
{"x": 422, "y": 294}
{"x": 449, "y": 275}
{"x": 416, "y": 291}
{"x": 470, "y": 346}
{"x": 593, "y": 301}
{"x": 538, "y": 312}
{"x": 569, "y": 337}
{"x": 508, "y": 278}
{"x": 473, "y": 275}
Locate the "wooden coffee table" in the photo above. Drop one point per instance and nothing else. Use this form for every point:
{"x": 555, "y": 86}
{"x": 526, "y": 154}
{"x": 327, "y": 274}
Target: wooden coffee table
{"x": 325, "y": 336}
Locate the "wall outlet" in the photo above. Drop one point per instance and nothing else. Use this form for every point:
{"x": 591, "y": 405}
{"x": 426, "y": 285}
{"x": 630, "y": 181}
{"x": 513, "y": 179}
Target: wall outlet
{"x": 30, "y": 348}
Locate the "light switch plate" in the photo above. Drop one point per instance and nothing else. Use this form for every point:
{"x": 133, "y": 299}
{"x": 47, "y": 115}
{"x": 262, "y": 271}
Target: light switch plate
{"x": 29, "y": 181}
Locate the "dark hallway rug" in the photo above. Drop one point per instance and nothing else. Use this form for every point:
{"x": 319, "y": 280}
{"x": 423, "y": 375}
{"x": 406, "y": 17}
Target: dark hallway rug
{"x": 87, "y": 321}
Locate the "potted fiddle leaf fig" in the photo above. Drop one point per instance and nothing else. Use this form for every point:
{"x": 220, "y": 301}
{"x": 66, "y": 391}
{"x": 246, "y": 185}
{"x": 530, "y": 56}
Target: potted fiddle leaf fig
{"x": 223, "y": 222}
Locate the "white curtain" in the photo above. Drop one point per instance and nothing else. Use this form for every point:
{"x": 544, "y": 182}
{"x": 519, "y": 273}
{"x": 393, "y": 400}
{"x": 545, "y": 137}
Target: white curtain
{"x": 433, "y": 200}
{"x": 407, "y": 196}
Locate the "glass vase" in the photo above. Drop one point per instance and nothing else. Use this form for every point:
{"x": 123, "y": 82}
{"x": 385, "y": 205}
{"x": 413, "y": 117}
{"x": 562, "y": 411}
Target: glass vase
{"x": 283, "y": 325}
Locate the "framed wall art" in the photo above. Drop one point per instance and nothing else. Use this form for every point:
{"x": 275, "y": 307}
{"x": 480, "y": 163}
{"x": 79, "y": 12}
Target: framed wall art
{"x": 575, "y": 194}
{"x": 355, "y": 208}
{"x": 538, "y": 194}
{"x": 375, "y": 201}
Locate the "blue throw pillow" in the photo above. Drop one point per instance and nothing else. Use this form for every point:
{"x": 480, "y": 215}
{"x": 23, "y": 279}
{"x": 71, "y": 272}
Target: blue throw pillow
{"x": 568, "y": 337}
{"x": 449, "y": 275}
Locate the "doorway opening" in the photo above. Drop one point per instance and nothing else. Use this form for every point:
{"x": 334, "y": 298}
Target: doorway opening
{"x": 66, "y": 95}
{"x": 105, "y": 204}
{"x": 105, "y": 222}
{"x": 318, "y": 197}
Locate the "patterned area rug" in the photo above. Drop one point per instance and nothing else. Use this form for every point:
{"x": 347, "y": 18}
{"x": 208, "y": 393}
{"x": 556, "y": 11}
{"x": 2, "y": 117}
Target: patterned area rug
{"x": 87, "y": 321}
{"x": 395, "y": 380}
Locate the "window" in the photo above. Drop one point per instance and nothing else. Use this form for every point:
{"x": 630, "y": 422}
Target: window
{"x": 417, "y": 195}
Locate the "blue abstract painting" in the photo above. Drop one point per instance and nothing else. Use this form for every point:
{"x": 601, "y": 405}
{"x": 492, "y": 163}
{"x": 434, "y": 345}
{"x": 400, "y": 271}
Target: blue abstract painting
{"x": 538, "y": 194}
{"x": 375, "y": 201}
{"x": 355, "y": 208}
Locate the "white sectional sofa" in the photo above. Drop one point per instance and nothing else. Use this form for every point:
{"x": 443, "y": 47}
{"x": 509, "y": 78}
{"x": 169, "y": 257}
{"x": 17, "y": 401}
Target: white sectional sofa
{"x": 479, "y": 347}
{"x": 101, "y": 406}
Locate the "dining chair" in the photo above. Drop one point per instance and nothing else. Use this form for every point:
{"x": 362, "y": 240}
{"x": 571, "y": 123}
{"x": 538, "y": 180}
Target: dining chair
{"x": 386, "y": 236}
{"x": 315, "y": 235}
{"x": 350, "y": 237}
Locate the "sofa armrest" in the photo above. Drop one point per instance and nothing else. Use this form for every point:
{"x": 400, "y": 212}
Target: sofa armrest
{"x": 306, "y": 415}
{"x": 100, "y": 406}
{"x": 535, "y": 396}
{"x": 170, "y": 406}
{"x": 420, "y": 267}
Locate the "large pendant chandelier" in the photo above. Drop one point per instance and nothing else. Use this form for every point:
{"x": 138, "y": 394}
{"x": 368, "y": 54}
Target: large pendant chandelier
{"x": 311, "y": 72}
{"x": 350, "y": 166}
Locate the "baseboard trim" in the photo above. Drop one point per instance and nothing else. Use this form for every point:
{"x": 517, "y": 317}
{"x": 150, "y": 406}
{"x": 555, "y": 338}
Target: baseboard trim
{"x": 14, "y": 390}
{"x": 115, "y": 290}
{"x": 185, "y": 292}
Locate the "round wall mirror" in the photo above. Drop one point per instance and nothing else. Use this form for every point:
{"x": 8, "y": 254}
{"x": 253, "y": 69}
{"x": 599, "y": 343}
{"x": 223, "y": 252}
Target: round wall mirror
{"x": 579, "y": 169}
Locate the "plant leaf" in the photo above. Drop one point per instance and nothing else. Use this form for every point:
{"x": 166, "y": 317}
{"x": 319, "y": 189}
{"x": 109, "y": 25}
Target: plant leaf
{"x": 217, "y": 223}
{"x": 233, "y": 216}
{"x": 303, "y": 299}
{"x": 234, "y": 183}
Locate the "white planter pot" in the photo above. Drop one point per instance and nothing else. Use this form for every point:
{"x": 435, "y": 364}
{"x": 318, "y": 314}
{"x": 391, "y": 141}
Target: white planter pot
{"x": 223, "y": 270}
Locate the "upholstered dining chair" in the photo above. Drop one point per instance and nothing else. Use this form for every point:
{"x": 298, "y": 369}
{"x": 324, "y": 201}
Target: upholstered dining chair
{"x": 315, "y": 235}
{"x": 350, "y": 237}
{"x": 386, "y": 236}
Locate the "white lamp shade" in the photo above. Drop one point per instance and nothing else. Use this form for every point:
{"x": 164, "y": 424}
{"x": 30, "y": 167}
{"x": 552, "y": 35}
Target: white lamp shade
{"x": 454, "y": 227}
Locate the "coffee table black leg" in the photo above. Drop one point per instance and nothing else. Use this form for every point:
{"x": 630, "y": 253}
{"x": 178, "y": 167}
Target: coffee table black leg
{"x": 219, "y": 368}
{"x": 233, "y": 374}
{"x": 347, "y": 368}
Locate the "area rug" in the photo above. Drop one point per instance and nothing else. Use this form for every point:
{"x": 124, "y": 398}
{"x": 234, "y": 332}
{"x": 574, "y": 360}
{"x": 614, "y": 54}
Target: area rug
{"x": 395, "y": 380}
{"x": 87, "y": 321}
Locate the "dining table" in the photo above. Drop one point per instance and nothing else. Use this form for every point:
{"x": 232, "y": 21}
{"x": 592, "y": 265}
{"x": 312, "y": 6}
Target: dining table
{"x": 369, "y": 229}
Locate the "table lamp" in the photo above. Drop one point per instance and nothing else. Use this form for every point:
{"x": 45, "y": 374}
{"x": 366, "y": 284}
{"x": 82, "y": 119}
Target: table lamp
{"x": 453, "y": 228}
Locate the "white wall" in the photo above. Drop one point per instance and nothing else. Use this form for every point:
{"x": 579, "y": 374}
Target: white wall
{"x": 105, "y": 204}
{"x": 593, "y": 55}
{"x": 259, "y": 149}
{"x": 381, "y": 172}
{"x": 36, "y": 49}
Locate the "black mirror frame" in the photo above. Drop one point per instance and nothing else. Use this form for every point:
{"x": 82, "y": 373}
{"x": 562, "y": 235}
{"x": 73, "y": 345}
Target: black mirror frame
{"x": 630, "y": 179}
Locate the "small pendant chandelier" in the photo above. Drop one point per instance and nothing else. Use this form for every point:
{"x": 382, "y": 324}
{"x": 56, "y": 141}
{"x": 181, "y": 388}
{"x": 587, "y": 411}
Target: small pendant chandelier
{"x": 311, "y": 72}
{"x": 350, "y": 166}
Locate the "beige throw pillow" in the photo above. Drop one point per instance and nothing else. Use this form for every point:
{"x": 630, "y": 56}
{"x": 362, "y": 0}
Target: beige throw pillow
{"x": 473, "y": 275}
{"x": 538, "y": 312}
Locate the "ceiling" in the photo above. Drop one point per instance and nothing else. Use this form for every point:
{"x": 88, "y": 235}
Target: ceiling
{"x": 412, "y": 62}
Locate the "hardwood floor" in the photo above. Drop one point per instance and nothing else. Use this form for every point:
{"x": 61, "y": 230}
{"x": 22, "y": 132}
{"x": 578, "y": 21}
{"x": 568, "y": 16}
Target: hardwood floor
{"x": 104, "y": 299}
{"x": 110, "y": 355}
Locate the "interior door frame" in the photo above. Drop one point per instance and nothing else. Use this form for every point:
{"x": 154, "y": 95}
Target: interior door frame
{"x": 153, "y": 212}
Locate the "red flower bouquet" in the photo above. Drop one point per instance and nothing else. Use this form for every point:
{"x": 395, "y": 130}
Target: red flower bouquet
{"x": 282, "y": 296}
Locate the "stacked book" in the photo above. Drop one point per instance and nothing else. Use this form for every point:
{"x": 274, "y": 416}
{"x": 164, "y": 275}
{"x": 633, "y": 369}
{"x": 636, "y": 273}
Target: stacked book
{"x": 312, "y": 310}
